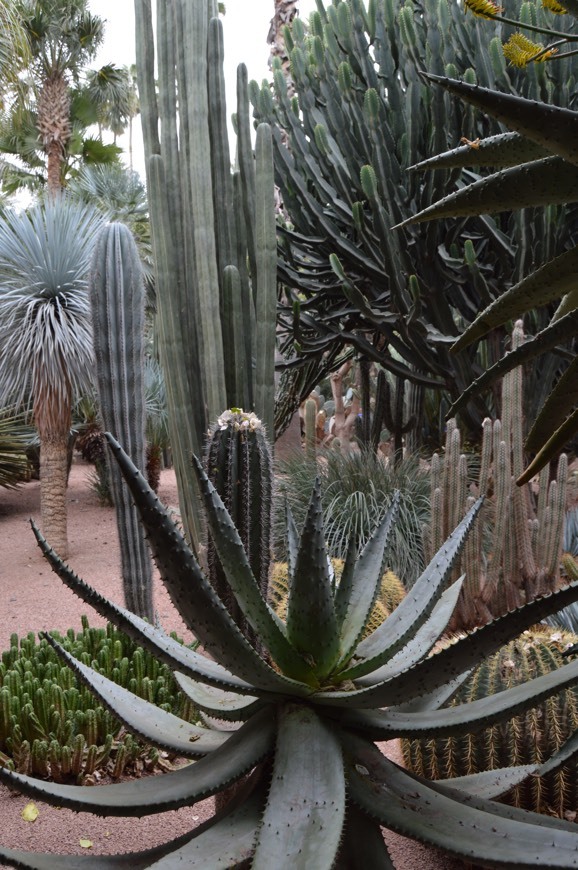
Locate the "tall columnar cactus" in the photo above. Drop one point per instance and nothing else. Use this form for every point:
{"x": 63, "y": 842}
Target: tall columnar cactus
{"x": 528, "y": 738}
{"x": 523, "y": 558}
{"x": 118, "y": 308}
{"x": 214, "y": 234}
{"x": 238, "y": 464}
{"x": 307, "y": 712}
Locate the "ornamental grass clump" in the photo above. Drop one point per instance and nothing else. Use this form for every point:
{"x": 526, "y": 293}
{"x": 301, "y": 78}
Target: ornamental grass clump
{"x": 296, "y": 718}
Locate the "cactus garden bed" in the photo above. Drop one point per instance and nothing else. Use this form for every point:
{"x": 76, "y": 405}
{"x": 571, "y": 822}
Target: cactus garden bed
{"x": 33, "y": 599}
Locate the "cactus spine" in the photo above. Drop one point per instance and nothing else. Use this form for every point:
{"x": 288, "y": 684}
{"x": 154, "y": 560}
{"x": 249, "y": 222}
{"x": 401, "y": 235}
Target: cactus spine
{"x": 118, "y": 302}
{"x": 216, "y": 264}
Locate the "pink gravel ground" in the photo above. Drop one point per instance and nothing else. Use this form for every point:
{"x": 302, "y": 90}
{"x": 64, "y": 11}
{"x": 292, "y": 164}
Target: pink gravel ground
{"x": 32, "y": 598}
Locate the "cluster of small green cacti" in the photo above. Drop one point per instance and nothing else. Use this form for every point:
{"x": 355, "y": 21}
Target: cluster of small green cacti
{"x": 52, "y": 726}
{"x": 521, "y": 560}
{"x": 528, "y": 738}
{"x": 391, "y": 593}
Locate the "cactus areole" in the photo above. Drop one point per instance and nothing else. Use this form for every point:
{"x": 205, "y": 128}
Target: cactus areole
{"x": 306, "y": 711}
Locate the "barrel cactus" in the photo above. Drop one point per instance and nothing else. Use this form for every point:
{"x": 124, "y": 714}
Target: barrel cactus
{"x": 528, "y": 738}
{"x": 306, "y": 714}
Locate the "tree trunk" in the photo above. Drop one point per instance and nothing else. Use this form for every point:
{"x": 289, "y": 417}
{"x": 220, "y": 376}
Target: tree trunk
{"x": 53, "y": 480}
{"x": 54, "y": 168}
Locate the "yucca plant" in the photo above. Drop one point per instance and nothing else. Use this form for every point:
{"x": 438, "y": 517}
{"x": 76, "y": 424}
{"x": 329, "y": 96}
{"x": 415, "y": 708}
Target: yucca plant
{"x": 306, "y": 714}
{"x": 15, "y": 437}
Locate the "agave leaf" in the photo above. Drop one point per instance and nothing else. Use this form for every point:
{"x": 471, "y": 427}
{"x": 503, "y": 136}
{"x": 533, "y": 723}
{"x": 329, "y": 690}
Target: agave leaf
{"x": 188, "y": 587}
{"x": 567, "y": 751}
{"x": 504, "y": 149}
{"x": 304, "y": 816}
{"x": 550, "y": 126}
{"x": 552, "y": 335}
{"x": 436, "y": 699}
{"x": 548, "y": 181}
{"x": 462, "y": 718}
{"x": 549, "y": 282}
{"x": 142, "y": 718}
{"x": 418, "y": 646}
{"x": 155, "y": 640}
{"x": 243, "y": 750}
{"x": 491, "y": 784}
{"x": 217, "y": 702}
{"x": 562, "y": 398}
{"x": 473, "y": 829}
{"x": 552, "y": 447}
{"x": 311, "y": 620}
{"x": 436, "y": 670}
{"x": 356, "y": 596}
{"x": 363, "y": 843}
{"x": 239, "y": 575}
{"x": 416, "y": 607}
{"x": 130, "y": 860}
{"x": 222, "y": 842}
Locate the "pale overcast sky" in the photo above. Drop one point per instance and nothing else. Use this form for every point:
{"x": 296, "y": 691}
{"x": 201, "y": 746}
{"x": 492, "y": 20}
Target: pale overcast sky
{"x": 246, "y": 25}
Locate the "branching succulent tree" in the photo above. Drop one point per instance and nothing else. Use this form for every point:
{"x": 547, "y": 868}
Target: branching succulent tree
{"x": 46, "y": 332}
{"x": 361, "y": 116}
{"x": 306, "y": 715}
{"x": 213, "y": 233}
{"x": 536, "y": 165}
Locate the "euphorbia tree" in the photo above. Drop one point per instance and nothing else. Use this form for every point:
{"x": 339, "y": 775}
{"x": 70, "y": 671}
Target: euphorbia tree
{"x": 45, "y": 332}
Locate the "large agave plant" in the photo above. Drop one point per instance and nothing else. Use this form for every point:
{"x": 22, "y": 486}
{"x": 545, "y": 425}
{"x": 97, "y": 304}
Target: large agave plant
{"x": 306, "y": 714}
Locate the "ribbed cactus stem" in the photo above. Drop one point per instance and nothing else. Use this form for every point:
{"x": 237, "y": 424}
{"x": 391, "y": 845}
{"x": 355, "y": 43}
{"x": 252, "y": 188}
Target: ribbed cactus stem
{"x": 238, "y": 462}
{"x": 118, "y": 303}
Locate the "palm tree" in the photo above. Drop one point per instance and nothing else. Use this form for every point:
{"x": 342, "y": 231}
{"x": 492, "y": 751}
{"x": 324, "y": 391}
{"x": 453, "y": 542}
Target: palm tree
{"x": 13, "y": 44}
{"x": 64, "y": 37}
{"x": 45, "y": 333}
{"x": 285, "y": 12}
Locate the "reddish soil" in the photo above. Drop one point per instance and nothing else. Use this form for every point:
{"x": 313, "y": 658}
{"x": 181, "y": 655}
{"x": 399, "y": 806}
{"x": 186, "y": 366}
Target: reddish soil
{"x": 32, "y": 598}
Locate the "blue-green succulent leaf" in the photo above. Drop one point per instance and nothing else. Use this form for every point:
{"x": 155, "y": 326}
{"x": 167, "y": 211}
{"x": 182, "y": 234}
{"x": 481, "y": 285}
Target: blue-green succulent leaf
{"x": 218, "y": 703}
{"x": 548, "y": 181}
{"x": 304, "y": 816}
{"x": 550, "y": 126}
{"x": 357, "y": 593}
{"x": 142, "y": 718}
{"x": 419, "y": 646}
{"x": 243, "y": 750}
{"x": 437, "y": 670}
{"x": 491, "y": 784}
{"x": 473, "y": 829}
{"x": 503, "y": 149}
{"x": 292, "y": 539}
{"x": 551, "y": 281}
{"x": 239, "y": 575}
{"x": 462, "y": 718}
{"x": 416, "y": 607}
{"x": 311, "y": 621}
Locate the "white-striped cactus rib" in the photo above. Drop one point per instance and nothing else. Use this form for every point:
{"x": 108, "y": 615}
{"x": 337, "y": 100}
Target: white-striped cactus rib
{"x": 117, "y": 296}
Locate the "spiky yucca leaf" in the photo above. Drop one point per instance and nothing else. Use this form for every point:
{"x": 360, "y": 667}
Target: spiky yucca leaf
{"x": 311, "y": 745}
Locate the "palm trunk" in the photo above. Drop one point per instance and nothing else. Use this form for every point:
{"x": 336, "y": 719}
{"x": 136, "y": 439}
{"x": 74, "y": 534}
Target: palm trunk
{"x": 54, "y": 168}
{"x": 53, "y": 481}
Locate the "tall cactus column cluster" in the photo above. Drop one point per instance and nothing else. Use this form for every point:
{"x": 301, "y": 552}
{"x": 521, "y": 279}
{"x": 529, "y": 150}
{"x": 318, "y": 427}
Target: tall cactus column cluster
{"x": 213, "y": 230}
{"x": 118, "y": 308}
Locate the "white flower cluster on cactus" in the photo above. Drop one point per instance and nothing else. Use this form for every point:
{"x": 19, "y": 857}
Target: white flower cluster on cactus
{"x": 237, "y": 419}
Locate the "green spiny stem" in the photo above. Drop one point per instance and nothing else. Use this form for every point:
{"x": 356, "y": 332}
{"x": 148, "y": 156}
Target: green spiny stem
{"x": 118, "y": 302}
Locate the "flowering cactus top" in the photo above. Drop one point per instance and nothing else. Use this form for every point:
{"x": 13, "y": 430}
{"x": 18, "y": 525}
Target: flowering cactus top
{"x": 237, "y": 419}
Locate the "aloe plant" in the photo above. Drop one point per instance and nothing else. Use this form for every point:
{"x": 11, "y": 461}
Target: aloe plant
{"x": 537, "y": 165}
{"x": 305, "y": 716}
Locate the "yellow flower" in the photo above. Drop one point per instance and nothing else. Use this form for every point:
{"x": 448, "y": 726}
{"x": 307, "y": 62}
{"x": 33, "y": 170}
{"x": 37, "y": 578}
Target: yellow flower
{"x": 483, "y": 8}
{"x": 520, "y": 50}
{"x": 554, "y": 7}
